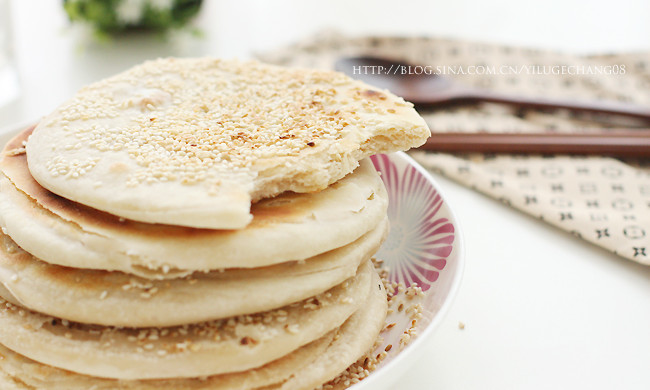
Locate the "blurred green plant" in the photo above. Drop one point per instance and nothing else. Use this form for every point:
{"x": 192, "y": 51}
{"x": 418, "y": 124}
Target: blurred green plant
{"x": 111, "y": 17}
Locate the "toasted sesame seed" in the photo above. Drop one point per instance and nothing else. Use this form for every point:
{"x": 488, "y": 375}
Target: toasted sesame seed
{"x": 16, "y": 151}
{"x": 198, "y": 120}
{"x": 292, "y": 328}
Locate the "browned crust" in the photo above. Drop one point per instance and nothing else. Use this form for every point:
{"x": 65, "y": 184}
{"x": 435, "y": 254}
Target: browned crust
{"x": 17, "y": 260}
{"x": 286, "y": 208}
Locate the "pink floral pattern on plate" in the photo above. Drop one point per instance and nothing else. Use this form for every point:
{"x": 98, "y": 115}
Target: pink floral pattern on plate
{"x": 421, "y": 237}
{"x": 425, "y": 247}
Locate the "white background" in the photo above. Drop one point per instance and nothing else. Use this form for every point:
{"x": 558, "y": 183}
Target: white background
{"x": 542, "y": 310}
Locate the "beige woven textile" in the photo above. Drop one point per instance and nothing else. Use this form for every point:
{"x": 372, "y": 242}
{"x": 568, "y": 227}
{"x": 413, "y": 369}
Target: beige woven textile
{"x": 604, "y": 201}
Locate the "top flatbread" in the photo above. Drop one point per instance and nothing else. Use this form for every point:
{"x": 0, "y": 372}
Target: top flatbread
{"x": 285, "y": 228}
{"x": 193, "y": 142}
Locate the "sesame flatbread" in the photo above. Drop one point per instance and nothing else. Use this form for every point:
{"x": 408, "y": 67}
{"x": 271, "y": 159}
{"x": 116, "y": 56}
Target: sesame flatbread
{"x": 354, "y": 339}
{"x": 203, "y": 349}
{"x": 192, "y": 142}
{"x": 20, "y": 373}
{"x": 59, "y": 231}
{"x": 305, "y": 368}
{"x": 119, "y": 299}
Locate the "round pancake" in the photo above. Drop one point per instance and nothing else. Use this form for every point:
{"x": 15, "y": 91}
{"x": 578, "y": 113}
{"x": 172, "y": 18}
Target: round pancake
{"x": 222, "y": 133}
{"x": 19, "y": 372}
{"x": 354, "y": 339}
{"x": 210, "y": 348}
{"x": 307, "y": 367}
{"x": 288, "y": 227}
{"x": 119, "y": 299}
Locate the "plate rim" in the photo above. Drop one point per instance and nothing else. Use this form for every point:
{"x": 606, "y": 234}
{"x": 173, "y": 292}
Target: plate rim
{"x": 397, "y": 365}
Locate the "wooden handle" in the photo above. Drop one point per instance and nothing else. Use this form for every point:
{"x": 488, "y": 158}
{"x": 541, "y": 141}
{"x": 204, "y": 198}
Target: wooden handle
{"x": 596, "y": 106}
{"x": 621, "y": 143}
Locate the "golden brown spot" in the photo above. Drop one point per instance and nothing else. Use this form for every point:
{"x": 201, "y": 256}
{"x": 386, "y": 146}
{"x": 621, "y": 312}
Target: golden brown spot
{"x": 118, "y": 167}
{"x": 369, "y": 93}
{"x": 247, "y": 340}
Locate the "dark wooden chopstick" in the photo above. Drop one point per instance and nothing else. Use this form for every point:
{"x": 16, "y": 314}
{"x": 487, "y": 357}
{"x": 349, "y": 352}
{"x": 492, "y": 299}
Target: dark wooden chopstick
{"x": 619, "y": 143}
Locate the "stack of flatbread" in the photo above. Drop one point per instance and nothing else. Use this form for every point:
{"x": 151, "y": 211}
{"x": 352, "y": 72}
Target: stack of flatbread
{"x": 197, "y": 224}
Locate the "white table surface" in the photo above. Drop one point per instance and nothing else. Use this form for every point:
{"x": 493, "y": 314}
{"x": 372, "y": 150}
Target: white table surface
{"x": 541, "y": 309}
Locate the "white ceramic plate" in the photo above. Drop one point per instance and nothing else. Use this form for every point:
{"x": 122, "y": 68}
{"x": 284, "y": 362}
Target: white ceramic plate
{"x": 424, "y": 246}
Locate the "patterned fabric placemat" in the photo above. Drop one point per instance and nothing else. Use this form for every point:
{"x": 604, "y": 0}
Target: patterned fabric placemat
{"x": 602, "y": 200}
